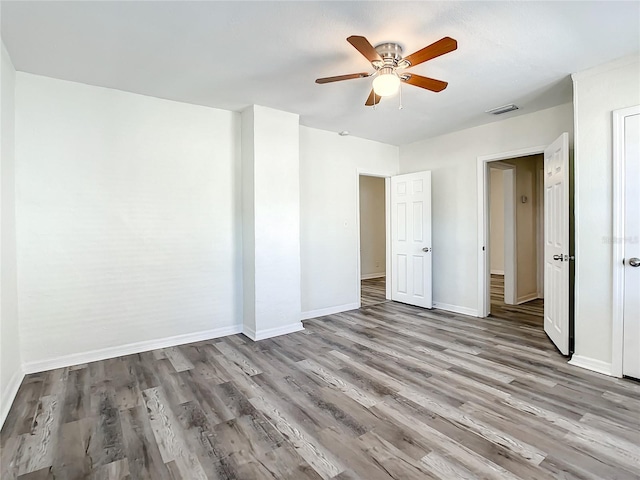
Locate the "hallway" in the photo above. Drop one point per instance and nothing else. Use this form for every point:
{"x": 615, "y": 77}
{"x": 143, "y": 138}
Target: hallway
{"x": 531, "y": 312}
{"x": 373, "y": 291}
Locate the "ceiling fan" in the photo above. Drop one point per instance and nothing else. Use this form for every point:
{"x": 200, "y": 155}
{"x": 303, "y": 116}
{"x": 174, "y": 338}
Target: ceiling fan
{"x": 390, "y": 66}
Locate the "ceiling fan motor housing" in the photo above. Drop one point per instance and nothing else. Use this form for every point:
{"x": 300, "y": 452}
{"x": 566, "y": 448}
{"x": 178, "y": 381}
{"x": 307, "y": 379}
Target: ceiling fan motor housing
{"x": 391, "y": 54}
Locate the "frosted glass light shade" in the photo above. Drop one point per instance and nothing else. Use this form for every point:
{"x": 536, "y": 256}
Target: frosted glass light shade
{"x": 386, "y": 84}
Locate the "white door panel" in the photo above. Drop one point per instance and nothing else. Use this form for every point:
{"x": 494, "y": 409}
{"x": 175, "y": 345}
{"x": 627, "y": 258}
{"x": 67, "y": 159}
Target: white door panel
{"x": 631, "y": 308}
{"x": 411, "y": 239}
{"x": 556, "y": 242}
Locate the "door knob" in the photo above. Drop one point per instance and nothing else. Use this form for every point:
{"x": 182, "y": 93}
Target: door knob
{"x": 426, "y": 249}
{"x": 558, "y": 257}
{"x": 634, "y": 262}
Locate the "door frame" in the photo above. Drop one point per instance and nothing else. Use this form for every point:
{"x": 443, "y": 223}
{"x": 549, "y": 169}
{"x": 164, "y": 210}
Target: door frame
{"x": 540, "y": 231}
{"x": 617, "y": 240}
{"x": 510, "y": 238}
{"x": 484, "y": 290}
{"x": 387, "y": 232}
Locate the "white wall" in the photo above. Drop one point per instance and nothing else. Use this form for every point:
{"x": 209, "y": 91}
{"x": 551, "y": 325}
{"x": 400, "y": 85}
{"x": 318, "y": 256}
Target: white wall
{"x": 329, "y": 168}
{"x": 248, "y": 222}
{"x": 10, "y": 357}
{"x": 128, "y": 220}
{"x": 496, "y": 224}
{"x": 372, "y": 227}
{"x": 271, "y": 213}
{"x": 452, "y": 158}
{"x": 597, "y": 92}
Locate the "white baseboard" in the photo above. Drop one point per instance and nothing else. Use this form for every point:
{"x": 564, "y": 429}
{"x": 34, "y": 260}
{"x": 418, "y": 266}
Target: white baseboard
{"x": 497, "y": 272}
{"x": 368, "y": 276}
{"x": 272, "y": 332}
{"x": 456, "y": 309}
{"x": 321, "y": 312}
{"x": 9, "y": 395}
{"x": 128, "y": 349}
{"x": 526, "y": 298}
{"x": 592, "y": 364}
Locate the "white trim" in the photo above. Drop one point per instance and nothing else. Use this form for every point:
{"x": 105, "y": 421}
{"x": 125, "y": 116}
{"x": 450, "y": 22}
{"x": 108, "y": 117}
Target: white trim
{"x": 510, "y": 236}
{"x": 591, "y": 364}
{"x": 369, "y": 276}
{"x": 540, "y": 232}
{"x": 577, "y": 314}
{"x": 617, "y": 327}
{"x": 358, "y": 247}
{"x": 128, "y": 349}
{"x": 9, "y": 395}
{"x": 322, "y": 312}
{"x": 273, "y": 332}
{"x": 483, "y": 246}
{"x": 472, "y": 312}
{"x": 387, "y": 217}
{"x": 521, "y": 152}
{"x": 497, "y": 272}
{"x": 527, "y": 298}
{"x": 483, "y": 266}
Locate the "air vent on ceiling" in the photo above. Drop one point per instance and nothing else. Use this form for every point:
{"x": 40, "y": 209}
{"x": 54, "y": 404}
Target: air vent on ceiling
{"x": 503, "y": 109}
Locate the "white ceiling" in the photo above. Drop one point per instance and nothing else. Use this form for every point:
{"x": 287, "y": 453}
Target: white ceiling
{"x": 233, "y": 54}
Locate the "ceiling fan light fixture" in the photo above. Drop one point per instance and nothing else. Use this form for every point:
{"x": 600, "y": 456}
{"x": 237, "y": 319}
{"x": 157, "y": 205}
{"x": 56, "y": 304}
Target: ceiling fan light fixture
{"x": 386, "y": 60}
{"x": 386, "y": 83}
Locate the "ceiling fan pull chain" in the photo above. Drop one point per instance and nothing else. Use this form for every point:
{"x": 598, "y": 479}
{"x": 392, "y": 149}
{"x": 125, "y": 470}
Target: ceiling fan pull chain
{"x": 400, "y": 92}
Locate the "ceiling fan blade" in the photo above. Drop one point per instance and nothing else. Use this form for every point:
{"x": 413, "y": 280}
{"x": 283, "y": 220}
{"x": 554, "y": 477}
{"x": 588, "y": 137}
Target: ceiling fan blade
{"x": 442, "y": 46}
{"x": 373, "y": 99}
{"x": 425, "y": 82}
{"x": 364, "y": 47}
{"x": 342, "y": 77}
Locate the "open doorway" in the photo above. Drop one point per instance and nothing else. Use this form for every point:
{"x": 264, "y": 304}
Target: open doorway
{"x": 515, "y": 238}
{"x": 373, "y": 241}
{"x": 556, "y": 255}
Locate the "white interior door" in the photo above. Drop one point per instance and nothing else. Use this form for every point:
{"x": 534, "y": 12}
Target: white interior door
{"x": 411, "y": 239}
{"x": 631, "y": 307}
{"x": 556, "y": 242}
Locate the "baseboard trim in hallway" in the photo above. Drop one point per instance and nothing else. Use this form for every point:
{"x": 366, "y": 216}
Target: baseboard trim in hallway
{"x": 369, "y": 276}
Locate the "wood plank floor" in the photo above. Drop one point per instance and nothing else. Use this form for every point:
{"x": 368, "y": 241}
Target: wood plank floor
{"x": 532, "y": 311}
{"x": 385, "y": 392}
{"x": 373, "y": 291}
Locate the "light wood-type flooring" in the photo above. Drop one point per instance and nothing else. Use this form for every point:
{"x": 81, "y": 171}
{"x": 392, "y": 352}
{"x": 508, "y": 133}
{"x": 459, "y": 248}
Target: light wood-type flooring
{"x": 384, "y": 392}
